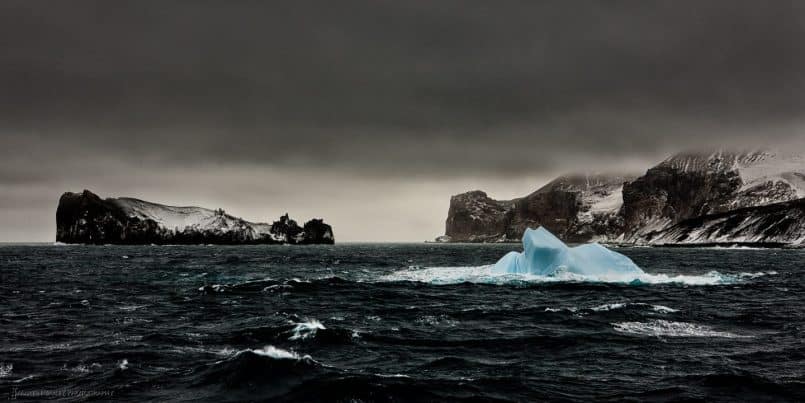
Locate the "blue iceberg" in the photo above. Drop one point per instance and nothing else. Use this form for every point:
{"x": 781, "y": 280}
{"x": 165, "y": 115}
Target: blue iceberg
{"x": 546, "y": 255}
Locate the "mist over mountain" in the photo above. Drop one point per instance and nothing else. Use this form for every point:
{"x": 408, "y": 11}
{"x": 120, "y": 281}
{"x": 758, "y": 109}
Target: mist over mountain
{"x": 700, "y": 198}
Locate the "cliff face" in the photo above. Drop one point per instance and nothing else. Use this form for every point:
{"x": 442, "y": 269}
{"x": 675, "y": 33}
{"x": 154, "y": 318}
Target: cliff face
{"x": 684, "y": 187}
{"x": 474, "y": 217}
{"x": 679, "y": 188}
{"x": 576, "y": 208}
{"x": 88, "y": 219}
{"x": 693, "y": 185}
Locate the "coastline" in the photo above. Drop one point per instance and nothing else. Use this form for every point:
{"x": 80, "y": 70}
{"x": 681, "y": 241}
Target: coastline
{"x": 702, "y": 245}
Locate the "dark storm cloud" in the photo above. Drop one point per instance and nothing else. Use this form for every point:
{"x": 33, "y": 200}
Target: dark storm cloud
{"x": 391, "y": 87}
{"x": 351, "y": 109}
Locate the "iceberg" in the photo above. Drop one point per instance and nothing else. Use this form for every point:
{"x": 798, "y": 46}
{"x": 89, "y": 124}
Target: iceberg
{"x": 546, "y": 259}
{"x": 546, "y": 255}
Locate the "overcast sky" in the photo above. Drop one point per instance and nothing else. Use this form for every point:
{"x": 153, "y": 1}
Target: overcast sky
{"x": 371, "y": 114}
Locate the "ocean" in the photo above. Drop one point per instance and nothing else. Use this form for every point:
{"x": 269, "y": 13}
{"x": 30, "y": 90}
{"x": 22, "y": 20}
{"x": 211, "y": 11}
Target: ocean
{"x": 395, "y": 322}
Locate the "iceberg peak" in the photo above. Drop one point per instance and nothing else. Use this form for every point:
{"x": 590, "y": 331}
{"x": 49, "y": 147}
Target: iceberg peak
{"x": 544, "y": 254}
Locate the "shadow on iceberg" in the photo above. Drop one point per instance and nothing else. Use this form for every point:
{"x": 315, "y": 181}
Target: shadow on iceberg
{"x": 546, "y": 255}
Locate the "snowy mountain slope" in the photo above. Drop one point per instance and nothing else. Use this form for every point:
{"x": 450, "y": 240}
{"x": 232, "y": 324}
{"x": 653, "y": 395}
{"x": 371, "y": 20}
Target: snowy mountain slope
{"x": 769, "y": 177}
{"x": 781, "y": 175}
{"x": 778, "y": 223}
{"x": 600, "y": 194}
{"x": 187, "y": 218}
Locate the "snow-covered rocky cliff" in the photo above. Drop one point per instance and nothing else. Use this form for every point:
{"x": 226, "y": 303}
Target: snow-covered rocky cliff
{"x": 682, "y": 194}
{"x": 86, "y": 218}
{"x": 776, "y": 224}
{"x": 691, "y": 185}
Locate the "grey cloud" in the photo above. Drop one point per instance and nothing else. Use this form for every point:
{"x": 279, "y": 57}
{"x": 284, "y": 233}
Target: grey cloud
{"x": 393, "y": 90}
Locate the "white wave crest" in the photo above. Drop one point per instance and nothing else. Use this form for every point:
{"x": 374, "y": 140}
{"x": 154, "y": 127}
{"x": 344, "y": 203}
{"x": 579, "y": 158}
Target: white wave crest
{"x": 484, "y": 275}
{"x": 620, "y": 305}
{"x": 226, "y": 352}
{"x": 569, "y": 309}
{"x": 758, "y": 274}
{"x": 273, "y": 352}
{"x": 278, "y": 353}
{"x": 306, "y": 329}
{"x": 736, "y": 247}
{"x": 663, "y": 309}
{"x": 664, "y": 328}
{"x": 608, "y": 307}
{"x": 613, "y": 307}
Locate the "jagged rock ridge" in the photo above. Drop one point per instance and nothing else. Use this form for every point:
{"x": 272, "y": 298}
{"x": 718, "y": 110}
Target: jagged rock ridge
{"x": 86, "y": 218}
{"x": 651, "y": 208}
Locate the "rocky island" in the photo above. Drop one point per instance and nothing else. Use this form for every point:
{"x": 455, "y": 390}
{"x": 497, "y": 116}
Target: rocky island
{"x": 85, "y": 218}
{"x": 718, "y": 198}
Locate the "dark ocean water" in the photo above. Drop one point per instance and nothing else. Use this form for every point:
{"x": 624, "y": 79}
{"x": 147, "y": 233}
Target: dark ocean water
{"x": 394, "y": 322}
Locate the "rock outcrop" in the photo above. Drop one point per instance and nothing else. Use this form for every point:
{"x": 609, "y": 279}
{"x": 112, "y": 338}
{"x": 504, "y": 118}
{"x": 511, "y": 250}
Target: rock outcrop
{"x": 86, "y": 218}
{"x": 475, "y": 217}
{"x": 576, "y": 208}
{"x": 670, "y": 200}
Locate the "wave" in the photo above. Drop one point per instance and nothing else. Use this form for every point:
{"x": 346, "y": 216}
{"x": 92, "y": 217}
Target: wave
{"x": 270, "y": 285}
{"x": 758, "y": 274}
{"x": 752, "y": 386}
{"x": 664, "y": 328}
{"x": 735, "y": 247}
{"x": 437, "y": 321}
{"x": 81, "y": 368}
{"x": 621, "y": 305}
{"x": 271, "y": 371}
{"x": 459, "y": 363}
{"x": 275, "y": 374}
{"x": 485, "y": 275}
{"x": 296, "y": 330}
{"x": 306, "y": 329}
{"x": 274, "y": 352}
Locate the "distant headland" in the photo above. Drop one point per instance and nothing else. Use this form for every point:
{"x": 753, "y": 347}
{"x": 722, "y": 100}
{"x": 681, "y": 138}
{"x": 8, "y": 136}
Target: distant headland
{"x": 85, "y": 218}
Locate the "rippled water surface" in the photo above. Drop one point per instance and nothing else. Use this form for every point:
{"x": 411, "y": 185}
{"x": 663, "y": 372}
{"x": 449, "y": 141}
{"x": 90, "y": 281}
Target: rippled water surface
{"x": 395, "y": 322}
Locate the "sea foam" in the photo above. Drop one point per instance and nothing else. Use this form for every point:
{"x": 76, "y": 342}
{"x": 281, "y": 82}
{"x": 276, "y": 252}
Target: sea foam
{"x": 274, "y": 352}
{"x": 664, "y": 328}
{"x": 306, "y": 329}
{"x": 486, "y": 275}
{"x": 545, "y": 259}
